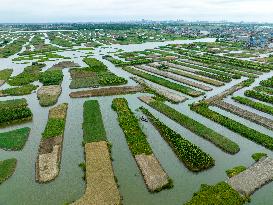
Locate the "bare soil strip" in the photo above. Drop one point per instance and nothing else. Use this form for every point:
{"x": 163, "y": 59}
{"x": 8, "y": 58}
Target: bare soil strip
{"x": 181, "y": 70}
{"x": 252, "y": 179}
{"x": 225, "y": 93}
{"x": 107, "y": 91}
{"x": 174, "y": 77}
{"x": 160, "y": 91}
{"x": 101, "y": 186}
{"x": 263, "y": 121}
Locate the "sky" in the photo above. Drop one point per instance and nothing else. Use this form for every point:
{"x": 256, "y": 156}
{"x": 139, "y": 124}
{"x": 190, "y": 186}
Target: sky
{"x": 44, "y": 11}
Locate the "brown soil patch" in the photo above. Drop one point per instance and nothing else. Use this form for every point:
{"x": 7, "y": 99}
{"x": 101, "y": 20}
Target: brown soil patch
{"x": 58, "y": 112}
{"x": 64, "y": 64}
{"x": 107, "y": 91}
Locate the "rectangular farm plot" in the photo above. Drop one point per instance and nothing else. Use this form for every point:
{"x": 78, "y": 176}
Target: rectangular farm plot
{"x": 155, "y": 177}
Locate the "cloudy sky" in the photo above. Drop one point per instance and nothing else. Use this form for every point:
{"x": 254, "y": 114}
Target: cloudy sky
{"x": 124, "y": 10}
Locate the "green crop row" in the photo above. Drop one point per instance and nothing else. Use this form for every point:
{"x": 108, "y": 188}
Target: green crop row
{"x": 93, "y": 128}
{"x": 199, "y": 129}
{"x": 267, "y": 83}
{"x": 164, "y": 82}
{"x": 256, "y": 105}
{"x": 263, "y": 89}
{"x": 249, "y": 133}
{"x": 208, "y": 72}
{"x": 136, "y": 139}
{"x": 191, "y": 155}
{"x": 259, "y": 96}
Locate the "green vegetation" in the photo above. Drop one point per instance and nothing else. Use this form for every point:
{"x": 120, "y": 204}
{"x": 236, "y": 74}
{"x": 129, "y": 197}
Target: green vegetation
{"x": 258, "y": 156}
{"x": 29, "y": 75}
{"x": 191, "y": 155}
{"x": 93, "y": 128}
{"x": 15, "y": 139}
{"x": 136, "y": 139}
{"x": 95, "y": 65}
{"x": 259, "y": 96}
{"x": 267, "y": 83}
{"x": 17, "y": 91}
{"x": 209, "y": 72}
{"x": 54, "y": 128}
{"x": 7, "y": 168}
{"x": 218, "y": 194}
{"x": 199, "y": 129}
{"x": 249, "y": 133}
{"x": 263, "y": 89}
{"x": 234, "y": 171}
{"x": 96, "y": 74}
{"x": 51, "y": 77}
{"x": 14, "y": 111}
{"x": 256, "y": 105}
{"x": 12, "y": 48}
{"x": 56, "y": 122}
{"x": 5, "y": 74}
{"x": 164, "y": 82}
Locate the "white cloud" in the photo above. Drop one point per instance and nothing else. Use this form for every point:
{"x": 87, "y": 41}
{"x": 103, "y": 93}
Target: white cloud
{"x": 114, "y": 10}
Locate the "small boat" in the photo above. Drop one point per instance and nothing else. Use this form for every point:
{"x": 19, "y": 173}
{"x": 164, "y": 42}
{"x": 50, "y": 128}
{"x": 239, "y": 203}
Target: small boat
{"x": 143, "y": 119}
